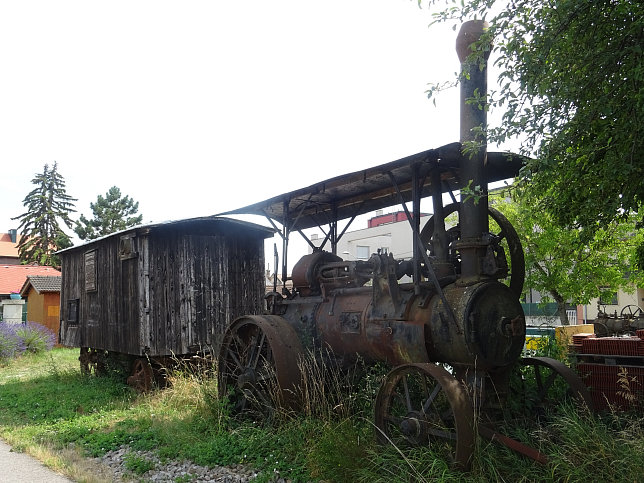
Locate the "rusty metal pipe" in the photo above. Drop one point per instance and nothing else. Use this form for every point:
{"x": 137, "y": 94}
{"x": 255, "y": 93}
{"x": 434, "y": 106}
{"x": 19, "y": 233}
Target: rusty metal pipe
{"x": 473, "y": 214}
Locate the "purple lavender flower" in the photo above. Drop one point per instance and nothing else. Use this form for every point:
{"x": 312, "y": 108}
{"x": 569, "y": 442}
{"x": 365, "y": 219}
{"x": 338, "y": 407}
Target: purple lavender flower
{"x": 35, "y": 337}
{"x": 11, "y": 345}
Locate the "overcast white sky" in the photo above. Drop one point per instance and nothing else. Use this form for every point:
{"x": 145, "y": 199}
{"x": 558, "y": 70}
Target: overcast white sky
{"x": 196, "y": 107}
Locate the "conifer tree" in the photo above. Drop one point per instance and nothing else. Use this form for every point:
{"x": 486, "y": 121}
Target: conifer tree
{"x": 47, "y": 204}
{"x": 112, "y": 213}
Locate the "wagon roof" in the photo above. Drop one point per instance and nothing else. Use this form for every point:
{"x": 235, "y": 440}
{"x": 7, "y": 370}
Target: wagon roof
{"x": 371, "y": 189}
{"x": 203, "y": 221}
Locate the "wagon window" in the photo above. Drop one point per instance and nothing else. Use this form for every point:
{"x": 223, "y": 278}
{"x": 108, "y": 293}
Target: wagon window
{"x": 72, "y": 312}
{"x": 127, "y": 247}
{"x": 90, "y": 271}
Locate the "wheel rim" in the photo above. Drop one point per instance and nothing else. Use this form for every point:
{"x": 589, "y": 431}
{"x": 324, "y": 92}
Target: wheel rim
{"x": 259, "y": 366}
{"x": 506, "y": 233}
{"x": 423, "y": 404}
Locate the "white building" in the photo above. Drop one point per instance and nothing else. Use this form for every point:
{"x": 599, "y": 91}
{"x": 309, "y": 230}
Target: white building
{"x": 387, "y": 232}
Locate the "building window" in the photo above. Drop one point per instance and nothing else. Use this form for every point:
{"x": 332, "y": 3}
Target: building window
{"x": 72, "y": 312}
{"x": 90, "y": 271}
{"x": 127, "y": 248}
{"x": 607, "y": 297}
{"x": 362, "y": 252}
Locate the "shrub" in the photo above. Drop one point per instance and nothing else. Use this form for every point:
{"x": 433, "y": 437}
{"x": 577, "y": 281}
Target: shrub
{"x": 10, "y": 344}
{"x": 35, "y": 337}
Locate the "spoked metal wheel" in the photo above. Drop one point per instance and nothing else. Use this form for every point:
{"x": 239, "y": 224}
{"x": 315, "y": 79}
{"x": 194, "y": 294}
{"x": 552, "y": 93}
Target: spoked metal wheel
{"x": 259, "y": 365}
{"x": 423, "y": 404}
{"x": 92, "y": 361}
{"x": 537, "y": 386}
{"x": 141, "y": 376}
{"x": 631, "y": 312}
{"x": 508, "y": 239}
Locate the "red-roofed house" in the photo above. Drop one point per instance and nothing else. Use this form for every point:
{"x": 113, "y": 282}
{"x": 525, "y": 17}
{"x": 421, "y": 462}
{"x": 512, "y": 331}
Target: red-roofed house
{"x": 12, "y": 279}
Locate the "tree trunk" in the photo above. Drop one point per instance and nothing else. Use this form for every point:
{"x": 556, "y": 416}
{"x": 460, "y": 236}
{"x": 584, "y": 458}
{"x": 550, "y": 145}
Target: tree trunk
{"x": 561, "y": 308}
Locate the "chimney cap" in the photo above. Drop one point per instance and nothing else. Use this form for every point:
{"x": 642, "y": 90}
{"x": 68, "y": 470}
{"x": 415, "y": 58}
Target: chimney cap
{"x": 470, "y": 32}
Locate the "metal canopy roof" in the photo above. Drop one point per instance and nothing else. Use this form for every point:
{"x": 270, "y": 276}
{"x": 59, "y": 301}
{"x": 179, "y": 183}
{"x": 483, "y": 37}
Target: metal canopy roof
{"x": 371, "y": 189}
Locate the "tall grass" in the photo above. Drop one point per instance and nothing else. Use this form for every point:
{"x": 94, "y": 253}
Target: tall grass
{"x": 48, "y": 408}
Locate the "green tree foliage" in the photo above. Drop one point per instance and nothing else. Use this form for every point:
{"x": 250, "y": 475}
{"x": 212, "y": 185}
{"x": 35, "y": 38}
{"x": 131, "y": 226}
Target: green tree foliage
{"x": 41, "y": 232}
{"x": 112, "y": 213}
{"x": 572, "y": 90}
{"x": 567, "y": 266}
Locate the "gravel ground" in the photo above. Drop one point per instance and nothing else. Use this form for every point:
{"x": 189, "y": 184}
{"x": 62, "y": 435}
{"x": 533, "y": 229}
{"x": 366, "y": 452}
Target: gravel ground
{"x": 172, "y": 471}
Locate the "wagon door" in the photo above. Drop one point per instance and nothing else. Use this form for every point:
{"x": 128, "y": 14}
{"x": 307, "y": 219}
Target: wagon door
{"x": 127, "y": 332}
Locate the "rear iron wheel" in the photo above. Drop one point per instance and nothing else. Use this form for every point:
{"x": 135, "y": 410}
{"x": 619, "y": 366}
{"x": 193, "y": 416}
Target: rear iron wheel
{"x": 424, "y": 405}
{"x": 92, "y": 361}
{"x": 141, "y": 376}
{"x": 536, "y": 387}
{"x": 259, "y": 368}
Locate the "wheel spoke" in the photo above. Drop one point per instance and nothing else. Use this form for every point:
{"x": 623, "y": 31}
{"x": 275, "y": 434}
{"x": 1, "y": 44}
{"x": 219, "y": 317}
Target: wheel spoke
{"x": 254, "y": 358}
{"x": 547, "y": 385}
{"x": 406, "y": 392}
{"x": 235, "y": 359}
{"x": 430, "y": 399}
{"x": 449, "y": 435}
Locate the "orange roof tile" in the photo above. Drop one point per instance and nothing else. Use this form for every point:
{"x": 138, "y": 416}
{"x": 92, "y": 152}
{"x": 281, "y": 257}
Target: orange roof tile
{"x": 12, "y": 277}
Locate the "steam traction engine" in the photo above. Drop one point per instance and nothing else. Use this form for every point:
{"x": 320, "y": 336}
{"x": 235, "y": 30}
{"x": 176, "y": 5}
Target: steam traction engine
{"x": 453, "y": 333}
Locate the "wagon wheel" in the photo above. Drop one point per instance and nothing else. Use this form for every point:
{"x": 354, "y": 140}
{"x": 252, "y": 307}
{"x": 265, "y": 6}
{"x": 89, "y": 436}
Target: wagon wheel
{"x": 631, "y": 312}
{"x": 423, "y": 404}
{"x": 259, "y": 366}
{"x": 92, "y": 362}
{"x": 506, "y": 233}
{"x": 142, "y": 375}
{"x": 537, "y": 386}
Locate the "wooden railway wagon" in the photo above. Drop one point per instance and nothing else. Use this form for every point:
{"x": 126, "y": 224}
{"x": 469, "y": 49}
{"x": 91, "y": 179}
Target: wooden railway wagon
{"x": 161, "y": 290}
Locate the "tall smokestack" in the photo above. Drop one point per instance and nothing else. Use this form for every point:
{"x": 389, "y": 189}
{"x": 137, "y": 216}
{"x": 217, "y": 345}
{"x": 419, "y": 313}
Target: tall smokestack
{"x": 474, "y": 212}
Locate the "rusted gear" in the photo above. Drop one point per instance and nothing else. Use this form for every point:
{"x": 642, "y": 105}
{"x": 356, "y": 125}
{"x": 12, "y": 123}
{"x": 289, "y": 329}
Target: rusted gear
{"x": 142, "y": 375}
{"x": 259, "y": 367}
{"x": 506, "y": 234}
{"x": 423, "y": 404}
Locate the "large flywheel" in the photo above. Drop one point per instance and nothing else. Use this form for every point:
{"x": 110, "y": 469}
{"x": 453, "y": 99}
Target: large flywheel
{"x": 503, "y": 234}
{"x": 259, "y": 365}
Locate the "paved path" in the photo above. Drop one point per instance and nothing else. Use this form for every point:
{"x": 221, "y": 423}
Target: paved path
{"x": 22, "y": 468}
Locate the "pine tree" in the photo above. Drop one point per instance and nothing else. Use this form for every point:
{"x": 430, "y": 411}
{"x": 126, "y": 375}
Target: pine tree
{"x": 39, "y": 225}
{"x": 112, "y": 213}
